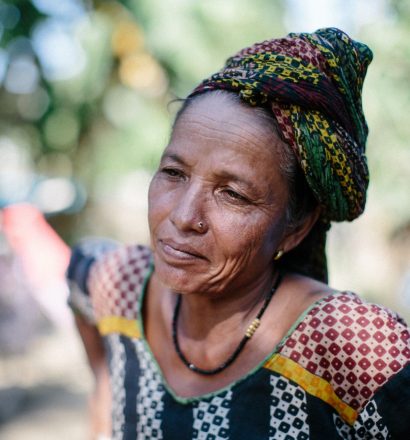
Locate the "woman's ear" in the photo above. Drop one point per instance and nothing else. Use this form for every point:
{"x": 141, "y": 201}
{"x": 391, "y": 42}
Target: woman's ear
{"x": 296, "y": 233}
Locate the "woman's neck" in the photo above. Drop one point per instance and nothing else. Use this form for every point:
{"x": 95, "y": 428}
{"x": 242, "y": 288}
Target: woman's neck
{"x": 207, "y": 318}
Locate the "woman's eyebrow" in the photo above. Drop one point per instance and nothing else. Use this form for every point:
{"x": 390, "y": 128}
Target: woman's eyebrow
{"x": 228, "y": 176}
{"x": 173, "y": 156}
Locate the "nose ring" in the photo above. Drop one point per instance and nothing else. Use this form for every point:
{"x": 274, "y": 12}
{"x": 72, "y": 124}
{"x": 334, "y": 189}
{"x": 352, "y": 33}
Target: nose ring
{"x": 200, "y": 225}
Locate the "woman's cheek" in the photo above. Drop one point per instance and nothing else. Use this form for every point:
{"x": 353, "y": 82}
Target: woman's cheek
{"x": 155, "y": 203}
{"x": 159, "y": 194}
{"x": 254, "y": 231}
{"x": 242, "y": 224}
{"x": 235, "y": 229}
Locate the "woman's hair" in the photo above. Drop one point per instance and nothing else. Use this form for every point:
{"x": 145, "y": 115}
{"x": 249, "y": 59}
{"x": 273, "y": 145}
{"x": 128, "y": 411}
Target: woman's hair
{"x": 301, "y": 202}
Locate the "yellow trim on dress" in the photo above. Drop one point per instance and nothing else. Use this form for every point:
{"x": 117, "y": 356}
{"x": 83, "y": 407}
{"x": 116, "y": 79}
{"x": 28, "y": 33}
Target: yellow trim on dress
{"x": 312, "y": 384}
{"x": 118, "y": 324}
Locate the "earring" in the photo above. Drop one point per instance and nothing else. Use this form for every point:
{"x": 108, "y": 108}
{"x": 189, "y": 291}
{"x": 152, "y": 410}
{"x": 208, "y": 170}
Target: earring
{"x": 278, "y": 254}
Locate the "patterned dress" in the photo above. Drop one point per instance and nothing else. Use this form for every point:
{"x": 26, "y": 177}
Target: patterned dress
{"x": 341, "y": 372}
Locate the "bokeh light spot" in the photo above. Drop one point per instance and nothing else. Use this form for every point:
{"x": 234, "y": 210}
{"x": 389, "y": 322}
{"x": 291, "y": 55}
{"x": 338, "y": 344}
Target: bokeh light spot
{"x": 60, "y": 53}
{"x": 61, "y": 129}
{"x": 143, "y": 73}
{"x": 22, "y": 75}
{"x": 122, "y": 106}
{"x": 53, "y": 195}
{"x": 9, "y": 15}
{"x": 127, "y": 38}
{"x": 32, "y": 106}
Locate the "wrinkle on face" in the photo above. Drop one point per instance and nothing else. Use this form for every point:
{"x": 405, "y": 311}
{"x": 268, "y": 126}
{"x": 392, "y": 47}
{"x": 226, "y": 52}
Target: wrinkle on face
{"x": 239, "y": 133}
{"x": 217, "y": 144}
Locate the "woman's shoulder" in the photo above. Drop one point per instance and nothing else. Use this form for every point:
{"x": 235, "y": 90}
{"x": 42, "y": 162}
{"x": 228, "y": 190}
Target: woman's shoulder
{"x": 354, "y": 345}
{"x": 111, "y": 275}
{"x": 122, "y": 263}
{"x": 347, "y": 316}
{"x": 84, "y": 255}
{"x": 344, "y": 324}
{"x": 116, "y": 281}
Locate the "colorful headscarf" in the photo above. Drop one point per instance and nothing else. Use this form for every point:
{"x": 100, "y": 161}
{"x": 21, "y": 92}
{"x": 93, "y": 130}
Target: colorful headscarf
{"x": 313, "y": 85}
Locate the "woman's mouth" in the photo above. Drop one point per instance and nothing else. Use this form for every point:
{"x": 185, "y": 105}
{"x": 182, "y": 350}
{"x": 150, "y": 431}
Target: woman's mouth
{"x": 178, "y": 251}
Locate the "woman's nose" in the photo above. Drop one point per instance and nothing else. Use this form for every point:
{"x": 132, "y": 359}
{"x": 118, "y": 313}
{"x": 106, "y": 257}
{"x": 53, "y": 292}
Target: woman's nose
{"x": 188, "y": 213}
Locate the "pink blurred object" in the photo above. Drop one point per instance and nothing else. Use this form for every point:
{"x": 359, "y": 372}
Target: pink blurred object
{"x": 44, "y": 258}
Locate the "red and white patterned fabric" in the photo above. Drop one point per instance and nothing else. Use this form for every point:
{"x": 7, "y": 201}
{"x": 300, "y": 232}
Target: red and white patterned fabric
{"x": 353, "y": 345}
{"x": 342, "y": 372}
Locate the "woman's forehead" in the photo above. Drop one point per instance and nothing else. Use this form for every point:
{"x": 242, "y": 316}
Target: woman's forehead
{"x": 214, "y": 118}
{"x": 225, "y": 140}
{"x": 225, "y": 107}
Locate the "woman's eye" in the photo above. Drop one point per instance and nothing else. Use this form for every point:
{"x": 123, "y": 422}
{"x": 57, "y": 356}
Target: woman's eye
{"x": 235, "y": 196}
{"x": 172, "y": 172}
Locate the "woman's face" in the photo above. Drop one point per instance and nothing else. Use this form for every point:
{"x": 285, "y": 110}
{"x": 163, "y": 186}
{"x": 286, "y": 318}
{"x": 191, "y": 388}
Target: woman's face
{"x": 220, "y": 169}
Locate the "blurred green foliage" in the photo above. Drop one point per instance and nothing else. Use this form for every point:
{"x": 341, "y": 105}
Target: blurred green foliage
{"x": 85, "y": 85}
{"x": 110, "y": 115}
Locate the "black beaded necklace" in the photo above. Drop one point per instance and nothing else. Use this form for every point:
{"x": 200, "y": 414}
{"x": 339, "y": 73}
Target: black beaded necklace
{"x": 248, "y": 335}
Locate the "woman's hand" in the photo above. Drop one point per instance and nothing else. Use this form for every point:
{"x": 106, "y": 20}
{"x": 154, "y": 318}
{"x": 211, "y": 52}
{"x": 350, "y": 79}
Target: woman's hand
{"x": 100, "y": 406}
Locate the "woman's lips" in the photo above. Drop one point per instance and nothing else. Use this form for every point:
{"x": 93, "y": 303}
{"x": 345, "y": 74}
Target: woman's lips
{"x": 179, "y": 251}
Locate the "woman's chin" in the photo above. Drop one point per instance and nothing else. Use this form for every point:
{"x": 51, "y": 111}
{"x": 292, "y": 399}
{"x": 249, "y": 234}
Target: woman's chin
{"x": 179, "y": 279}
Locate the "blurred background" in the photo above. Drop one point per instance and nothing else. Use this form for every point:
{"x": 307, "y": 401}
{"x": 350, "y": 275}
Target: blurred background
{"x": 85, "y": 92}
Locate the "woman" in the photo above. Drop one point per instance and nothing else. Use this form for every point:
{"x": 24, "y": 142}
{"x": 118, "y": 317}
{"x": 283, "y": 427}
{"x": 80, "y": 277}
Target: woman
{"x": 226, "y": 327}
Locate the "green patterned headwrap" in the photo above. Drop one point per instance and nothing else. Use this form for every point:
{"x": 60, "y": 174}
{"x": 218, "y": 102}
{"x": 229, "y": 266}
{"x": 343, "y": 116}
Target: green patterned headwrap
{"x": 312, "y": 83}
